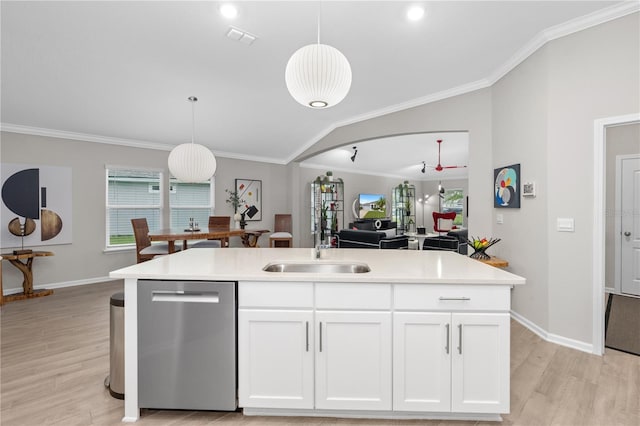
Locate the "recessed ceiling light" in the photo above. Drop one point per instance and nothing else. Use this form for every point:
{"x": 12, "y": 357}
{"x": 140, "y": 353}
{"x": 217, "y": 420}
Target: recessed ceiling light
{"x": 415, "y": 13}
{"x": 229, "y": 11}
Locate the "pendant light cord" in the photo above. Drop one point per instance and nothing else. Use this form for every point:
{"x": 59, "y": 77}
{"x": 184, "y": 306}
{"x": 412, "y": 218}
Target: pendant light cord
{"x": 319, "y": 13}
{"x": 193, "y": 101}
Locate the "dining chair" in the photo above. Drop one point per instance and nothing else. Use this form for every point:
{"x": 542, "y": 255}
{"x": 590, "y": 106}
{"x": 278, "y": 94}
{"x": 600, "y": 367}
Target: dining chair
{"x": 443, "y": 222}
{"x": 145, "y": 250}
{"x": 216, "y": 223}
{"x": 282, "y": 236}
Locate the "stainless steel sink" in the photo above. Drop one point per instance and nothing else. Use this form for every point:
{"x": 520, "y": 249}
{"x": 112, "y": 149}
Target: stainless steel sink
{"x": 318, "y": 267}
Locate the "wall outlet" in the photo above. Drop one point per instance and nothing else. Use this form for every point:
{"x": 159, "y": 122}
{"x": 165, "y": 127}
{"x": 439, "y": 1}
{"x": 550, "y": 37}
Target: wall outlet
{"x": 499, "y": 218}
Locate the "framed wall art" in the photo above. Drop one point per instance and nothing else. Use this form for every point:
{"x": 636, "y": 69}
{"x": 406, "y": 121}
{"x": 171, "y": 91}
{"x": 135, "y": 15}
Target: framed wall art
{"x": 250, "y": 191}
{"x": 36, "y": 205}
{"x": 506, "y": 187}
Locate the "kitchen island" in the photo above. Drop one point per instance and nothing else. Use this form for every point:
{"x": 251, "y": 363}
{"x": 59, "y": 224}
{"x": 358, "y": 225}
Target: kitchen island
{"x": 423, "y": 334}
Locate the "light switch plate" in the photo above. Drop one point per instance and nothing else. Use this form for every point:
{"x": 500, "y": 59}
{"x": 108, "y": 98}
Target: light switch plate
{"x": 499, "y": 218}
{"x": 565, "y": 224}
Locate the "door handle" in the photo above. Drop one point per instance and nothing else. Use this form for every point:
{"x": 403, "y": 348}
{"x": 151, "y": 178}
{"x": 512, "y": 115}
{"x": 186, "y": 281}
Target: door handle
{"x": 454, "y": 298}
{"x": 627, "y": 234}
{"x": 320, "y": 336}
{"x": 446, "y": 348}
{"x": 307, "y": 338}
{"x": 460, "y": 338}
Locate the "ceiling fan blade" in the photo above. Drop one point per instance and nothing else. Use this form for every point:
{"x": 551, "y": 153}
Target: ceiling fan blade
{"x": 454, "y": 167}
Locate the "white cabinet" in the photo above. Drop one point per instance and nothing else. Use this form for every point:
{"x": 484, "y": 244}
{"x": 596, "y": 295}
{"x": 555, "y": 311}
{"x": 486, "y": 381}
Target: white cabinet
{"x": 275, "y": 358}
{"x": 455, "y": 362}
{"x": 422, "y": 361}
{"x": 353, "y": 360}
{"x": 375, "y": 347}
{"x": 480, "y": 363}
{"x": 275, "y": 345}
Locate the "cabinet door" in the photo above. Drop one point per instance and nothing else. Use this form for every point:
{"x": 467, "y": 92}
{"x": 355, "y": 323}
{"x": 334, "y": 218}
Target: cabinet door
{"x": 275, "y": 358}
{"x": 422, "y": 361}
{"x": 353, "y": 360}
{"x": 480, "y": 363}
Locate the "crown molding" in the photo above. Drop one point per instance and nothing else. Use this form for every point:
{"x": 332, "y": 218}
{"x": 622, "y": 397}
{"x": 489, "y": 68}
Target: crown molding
{"x": 85, "y": 137}
{"x": 445, "y": 94}
{"x": 562, "y": 30}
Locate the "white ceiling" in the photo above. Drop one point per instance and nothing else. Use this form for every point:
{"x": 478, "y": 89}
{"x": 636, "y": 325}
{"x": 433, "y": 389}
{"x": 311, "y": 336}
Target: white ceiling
{"x": 400, "y": 157}
{"x": 122, "y": 71}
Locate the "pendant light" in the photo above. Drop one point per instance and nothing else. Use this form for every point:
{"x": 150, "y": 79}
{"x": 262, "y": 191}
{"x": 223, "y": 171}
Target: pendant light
{"x": 318, "y": 75}
{"x": 191, "y": 162}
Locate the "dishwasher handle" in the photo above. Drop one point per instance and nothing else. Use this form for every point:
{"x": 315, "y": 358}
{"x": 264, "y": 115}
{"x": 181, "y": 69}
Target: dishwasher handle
{"x": 182, "y": 296}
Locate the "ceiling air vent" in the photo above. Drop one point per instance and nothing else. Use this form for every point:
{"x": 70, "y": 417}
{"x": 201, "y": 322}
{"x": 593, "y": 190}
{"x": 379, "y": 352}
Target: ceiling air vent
{"x": 240, "y": 35}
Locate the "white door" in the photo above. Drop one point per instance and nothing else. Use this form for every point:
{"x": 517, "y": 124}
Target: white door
{"x": 353, "y": 360}
{"x": 480, "y": 363}
{"x": 275, "y": 358}
{"x": 630, "y": 238}
{"x": 422, "y": 361}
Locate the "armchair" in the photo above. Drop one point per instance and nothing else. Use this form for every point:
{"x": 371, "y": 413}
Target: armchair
{"x": 349, "y": 238}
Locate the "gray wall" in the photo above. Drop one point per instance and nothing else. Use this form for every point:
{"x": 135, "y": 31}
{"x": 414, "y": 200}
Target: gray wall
{"x": 620, "y": 140}
{"x": 470, "y": 112}
{"x": 592, "y": 74}
{"x": 85, "y": 259}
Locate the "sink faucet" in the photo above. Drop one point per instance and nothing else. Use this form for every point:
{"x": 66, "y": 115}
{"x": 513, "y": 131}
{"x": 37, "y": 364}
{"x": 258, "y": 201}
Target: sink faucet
{"x": 319, "y": 247}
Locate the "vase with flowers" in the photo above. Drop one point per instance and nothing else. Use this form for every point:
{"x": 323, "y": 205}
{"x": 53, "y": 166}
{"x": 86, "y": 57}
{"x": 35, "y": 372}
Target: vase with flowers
{"x": 235, "y": 200}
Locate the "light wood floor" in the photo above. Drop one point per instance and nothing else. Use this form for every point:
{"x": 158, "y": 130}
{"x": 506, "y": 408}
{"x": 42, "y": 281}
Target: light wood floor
{"x": 55, "y": 357}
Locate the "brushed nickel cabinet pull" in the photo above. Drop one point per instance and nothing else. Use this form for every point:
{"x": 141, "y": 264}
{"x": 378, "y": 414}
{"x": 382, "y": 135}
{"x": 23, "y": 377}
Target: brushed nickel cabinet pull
{"x": 307, "y": 338}
{"x": 447, "y": 346}
{"x": 320, "y": 336}
{"x": 460, "y": 338}
{"x": 454, "y": 298}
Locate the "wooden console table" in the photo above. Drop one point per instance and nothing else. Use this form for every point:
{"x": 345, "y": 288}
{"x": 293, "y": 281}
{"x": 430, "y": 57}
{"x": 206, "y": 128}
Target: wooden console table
{"x": 27, "y": 271}
{"x": 495, "y": 261}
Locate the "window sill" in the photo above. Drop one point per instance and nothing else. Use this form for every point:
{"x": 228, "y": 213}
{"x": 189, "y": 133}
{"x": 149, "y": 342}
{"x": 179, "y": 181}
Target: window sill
{"x": 110, "y": 250}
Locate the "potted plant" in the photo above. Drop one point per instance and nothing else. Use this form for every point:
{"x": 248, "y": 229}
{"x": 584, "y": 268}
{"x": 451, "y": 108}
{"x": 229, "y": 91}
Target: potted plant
{"x": 235, "y": 201}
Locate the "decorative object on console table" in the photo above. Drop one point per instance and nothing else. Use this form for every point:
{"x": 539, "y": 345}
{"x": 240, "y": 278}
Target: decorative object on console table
{"x": 480, "y": 246}
{"x": 250, "y": 191}
{"x": 506, "y": 191}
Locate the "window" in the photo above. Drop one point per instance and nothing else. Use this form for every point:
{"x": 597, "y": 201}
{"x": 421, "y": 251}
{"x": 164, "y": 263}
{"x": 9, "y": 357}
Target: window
{"x": 128, "y": 197}
{"x": 453, "y": 202}
{"x": 190, "y": 200}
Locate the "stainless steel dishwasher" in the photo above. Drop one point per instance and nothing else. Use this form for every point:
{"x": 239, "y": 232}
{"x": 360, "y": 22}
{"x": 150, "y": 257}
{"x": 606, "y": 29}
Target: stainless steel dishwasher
{"x": 187, "y": 345}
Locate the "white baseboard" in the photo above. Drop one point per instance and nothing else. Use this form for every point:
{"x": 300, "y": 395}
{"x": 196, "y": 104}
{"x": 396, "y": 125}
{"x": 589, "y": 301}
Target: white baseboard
{"x": 63, "y": 284}
{"x": 553, "y": 338}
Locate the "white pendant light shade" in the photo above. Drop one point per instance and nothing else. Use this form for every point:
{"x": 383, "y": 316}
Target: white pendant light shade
{"x": 318, "y": 76}
{"x": 191, "y": 163}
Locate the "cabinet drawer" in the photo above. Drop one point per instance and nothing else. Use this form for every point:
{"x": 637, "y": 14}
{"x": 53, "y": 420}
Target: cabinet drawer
{"x": 353, "y": 296}
{"x": 275, "y": 295}
{"x": 452, "y": 297}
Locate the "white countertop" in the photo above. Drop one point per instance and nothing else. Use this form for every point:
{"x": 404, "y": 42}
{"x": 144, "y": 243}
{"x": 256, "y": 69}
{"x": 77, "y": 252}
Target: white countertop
{"x": 387, "y": 266}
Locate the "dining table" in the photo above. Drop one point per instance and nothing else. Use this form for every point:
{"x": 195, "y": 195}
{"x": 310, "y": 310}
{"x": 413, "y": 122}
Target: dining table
{"x": 249, "y": 237}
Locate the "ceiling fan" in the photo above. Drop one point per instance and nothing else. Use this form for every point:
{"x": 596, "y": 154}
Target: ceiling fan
{"x": 439, "y": 167}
